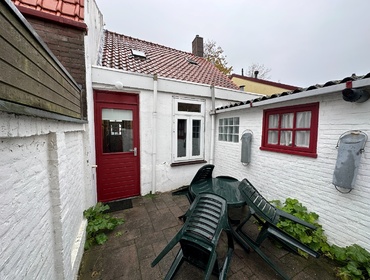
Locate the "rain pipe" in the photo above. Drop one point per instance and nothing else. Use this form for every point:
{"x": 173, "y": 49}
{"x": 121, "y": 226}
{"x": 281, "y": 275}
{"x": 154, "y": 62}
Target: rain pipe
{"x": 213, "y": 120}
{"x": 154, "y": 134}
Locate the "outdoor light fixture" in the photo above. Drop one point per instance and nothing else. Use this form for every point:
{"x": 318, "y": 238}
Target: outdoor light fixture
{"x": 118, "y": 85}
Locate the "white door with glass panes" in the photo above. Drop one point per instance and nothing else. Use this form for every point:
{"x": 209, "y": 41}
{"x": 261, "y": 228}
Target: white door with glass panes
{"x": 188, "y": 130}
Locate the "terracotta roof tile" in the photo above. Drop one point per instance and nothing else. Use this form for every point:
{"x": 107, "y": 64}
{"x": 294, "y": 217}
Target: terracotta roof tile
{"x": 161, "y": 60}
{"x": 69, "y": 9}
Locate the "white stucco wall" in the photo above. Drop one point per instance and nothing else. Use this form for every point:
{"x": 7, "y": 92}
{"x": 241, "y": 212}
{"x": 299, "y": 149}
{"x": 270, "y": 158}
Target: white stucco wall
{"x": 345, "y": 217}
{"x": 167, "y": 177}
{"x": 43, "y": 188}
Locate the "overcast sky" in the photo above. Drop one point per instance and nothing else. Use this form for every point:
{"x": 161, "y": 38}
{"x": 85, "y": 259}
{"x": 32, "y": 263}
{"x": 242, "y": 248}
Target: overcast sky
{"x": 303, "y": 42}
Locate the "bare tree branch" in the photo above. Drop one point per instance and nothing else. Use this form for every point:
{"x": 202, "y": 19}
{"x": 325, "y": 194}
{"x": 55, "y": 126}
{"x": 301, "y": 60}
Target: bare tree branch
{"x": 214, "y": 54}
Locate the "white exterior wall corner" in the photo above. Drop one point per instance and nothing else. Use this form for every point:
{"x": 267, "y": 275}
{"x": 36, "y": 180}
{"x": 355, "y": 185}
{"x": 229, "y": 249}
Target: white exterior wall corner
{"x": 43, "y": 178}
{"x": 344, "y": 217}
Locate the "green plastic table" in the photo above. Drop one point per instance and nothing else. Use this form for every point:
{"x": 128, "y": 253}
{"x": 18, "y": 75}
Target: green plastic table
{"x": 224, "y": 187}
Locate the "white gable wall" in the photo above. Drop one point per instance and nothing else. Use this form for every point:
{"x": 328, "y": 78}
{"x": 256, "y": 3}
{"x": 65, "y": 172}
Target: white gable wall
{"x": 166, "y": 177}
{"x": 345, "y": 217}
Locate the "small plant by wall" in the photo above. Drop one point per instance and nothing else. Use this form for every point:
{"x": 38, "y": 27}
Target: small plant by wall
{"x": 98, "y": 224}
{"x": 353, "y": 261}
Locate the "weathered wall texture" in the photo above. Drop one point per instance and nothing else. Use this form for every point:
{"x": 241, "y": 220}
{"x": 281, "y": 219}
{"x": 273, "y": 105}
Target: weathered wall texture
{"x": 67, "y": 44}
{"x": 344, "y": 217}
{"x": 44, "y": 184}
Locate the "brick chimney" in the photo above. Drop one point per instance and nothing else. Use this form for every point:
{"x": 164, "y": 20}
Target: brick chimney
{"x": 198, "y": 46}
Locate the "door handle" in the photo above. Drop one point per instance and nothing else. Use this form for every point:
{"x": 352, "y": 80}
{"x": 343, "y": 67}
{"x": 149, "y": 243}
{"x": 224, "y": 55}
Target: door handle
{"x": 134, "y": 150}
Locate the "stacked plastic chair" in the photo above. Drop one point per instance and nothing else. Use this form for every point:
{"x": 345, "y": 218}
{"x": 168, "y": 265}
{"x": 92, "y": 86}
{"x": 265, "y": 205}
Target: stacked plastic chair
{"x": 205, "y": 172}
{"x": 205, "y": 220}
{"x": 268, "y": 216}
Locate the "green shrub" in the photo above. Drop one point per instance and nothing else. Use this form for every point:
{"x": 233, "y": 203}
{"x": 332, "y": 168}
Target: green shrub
{"x": 354, "y": 261}
{"x": 98, "y": 224}
{"x": 315, "y": 239}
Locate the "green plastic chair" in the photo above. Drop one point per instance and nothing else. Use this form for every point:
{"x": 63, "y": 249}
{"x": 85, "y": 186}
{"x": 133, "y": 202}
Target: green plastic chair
{"x": 203, "y": 173}
{"x": 268, "y": 216}
{"x": 199, "y": 236}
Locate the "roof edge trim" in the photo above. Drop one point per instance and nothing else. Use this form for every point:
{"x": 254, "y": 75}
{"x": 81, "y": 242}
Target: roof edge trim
{"x": 299, "y": 95}
{"x": 53, "y": 18}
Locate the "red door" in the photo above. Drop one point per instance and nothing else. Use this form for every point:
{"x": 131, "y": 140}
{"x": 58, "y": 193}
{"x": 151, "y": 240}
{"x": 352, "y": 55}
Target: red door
{"x": 117, "y": 145}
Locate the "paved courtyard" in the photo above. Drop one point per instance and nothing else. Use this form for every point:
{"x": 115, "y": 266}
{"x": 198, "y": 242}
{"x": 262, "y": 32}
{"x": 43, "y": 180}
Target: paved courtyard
{"x": 148, "y": 227}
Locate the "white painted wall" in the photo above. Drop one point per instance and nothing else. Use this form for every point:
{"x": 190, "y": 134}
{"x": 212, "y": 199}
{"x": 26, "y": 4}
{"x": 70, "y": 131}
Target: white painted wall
{"x": 43, "y": 183}
{"x": 47, "y": 179}
{"x": 167, "y": 177}
{"x": 345, "y": 217}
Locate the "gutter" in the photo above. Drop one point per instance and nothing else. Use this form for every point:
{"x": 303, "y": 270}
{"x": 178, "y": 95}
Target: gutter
{"x": 298, "y": 95}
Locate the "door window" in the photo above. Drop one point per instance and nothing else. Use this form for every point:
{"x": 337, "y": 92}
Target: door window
{"x": 117, "y": 130}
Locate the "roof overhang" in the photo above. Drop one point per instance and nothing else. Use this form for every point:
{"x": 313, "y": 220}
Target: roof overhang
{"x": 361, "y": 83}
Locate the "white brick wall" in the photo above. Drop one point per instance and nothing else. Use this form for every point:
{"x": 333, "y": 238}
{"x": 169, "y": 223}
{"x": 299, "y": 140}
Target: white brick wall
{"x": 345, "y": 217}
{"x": 43, "y": 186}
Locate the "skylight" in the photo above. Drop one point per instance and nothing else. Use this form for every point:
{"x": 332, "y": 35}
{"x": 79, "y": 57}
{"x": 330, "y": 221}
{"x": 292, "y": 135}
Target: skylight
{"x": 138, "y": 53}
{"x": 192, "y": 61}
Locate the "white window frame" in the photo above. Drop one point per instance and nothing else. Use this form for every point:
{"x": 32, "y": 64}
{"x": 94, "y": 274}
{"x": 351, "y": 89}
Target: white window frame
{"x": 230, "y": 132}
{"x": 189, "y": 117}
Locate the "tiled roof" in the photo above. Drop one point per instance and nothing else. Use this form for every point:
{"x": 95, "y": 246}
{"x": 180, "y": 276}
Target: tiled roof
{"x": 163, "y": 61}
{"x": 298, "y": 90}
{"x": 69, "y": 9}
{"x": 261, "y": 81}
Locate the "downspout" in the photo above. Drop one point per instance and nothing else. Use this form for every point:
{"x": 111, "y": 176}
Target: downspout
{"x": 154, "y": 134}
{"x": 213, "y": 120}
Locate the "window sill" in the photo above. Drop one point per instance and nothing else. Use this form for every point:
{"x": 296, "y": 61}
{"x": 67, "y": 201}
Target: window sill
{"x": 187, "y": 163}
{"x": 290, "y": 152}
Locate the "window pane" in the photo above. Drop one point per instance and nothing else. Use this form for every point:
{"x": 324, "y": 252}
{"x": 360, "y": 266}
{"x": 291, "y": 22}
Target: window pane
{"x": 286, "y": 138}
{"x": 229, "y": 127}
{"x": 188, "y": 107}
{"x": 117, "y": 130}
{"x": 181, "y": 138}
{"x": 196, "y": 138}
{"x": 273, "y": 121}
{"x": 302, "y": 139}
{"x": 116, "y": 114}
{"x": 303, "y": 119}
{"x": 287, "y": 120}
{"x": 272, "y": 137}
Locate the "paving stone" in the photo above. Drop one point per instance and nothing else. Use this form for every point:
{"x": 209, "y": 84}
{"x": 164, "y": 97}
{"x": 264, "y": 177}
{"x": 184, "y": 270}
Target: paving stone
{"x": 153, "y": 222}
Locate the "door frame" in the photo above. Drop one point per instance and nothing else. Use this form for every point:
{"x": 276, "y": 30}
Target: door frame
{"x": 118, "y": 98}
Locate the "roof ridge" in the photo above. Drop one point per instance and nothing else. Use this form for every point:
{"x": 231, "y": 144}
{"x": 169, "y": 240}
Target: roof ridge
{"x": 165, "y": 61}
{"x": 263, "y": 81}
{"x": 152, "y": 43}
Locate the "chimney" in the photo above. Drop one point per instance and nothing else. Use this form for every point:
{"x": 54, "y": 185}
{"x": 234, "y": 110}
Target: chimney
{"x": 198, "y": 46}
{"x": 242, "y": 72}
{"x": 256, "y": 74}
